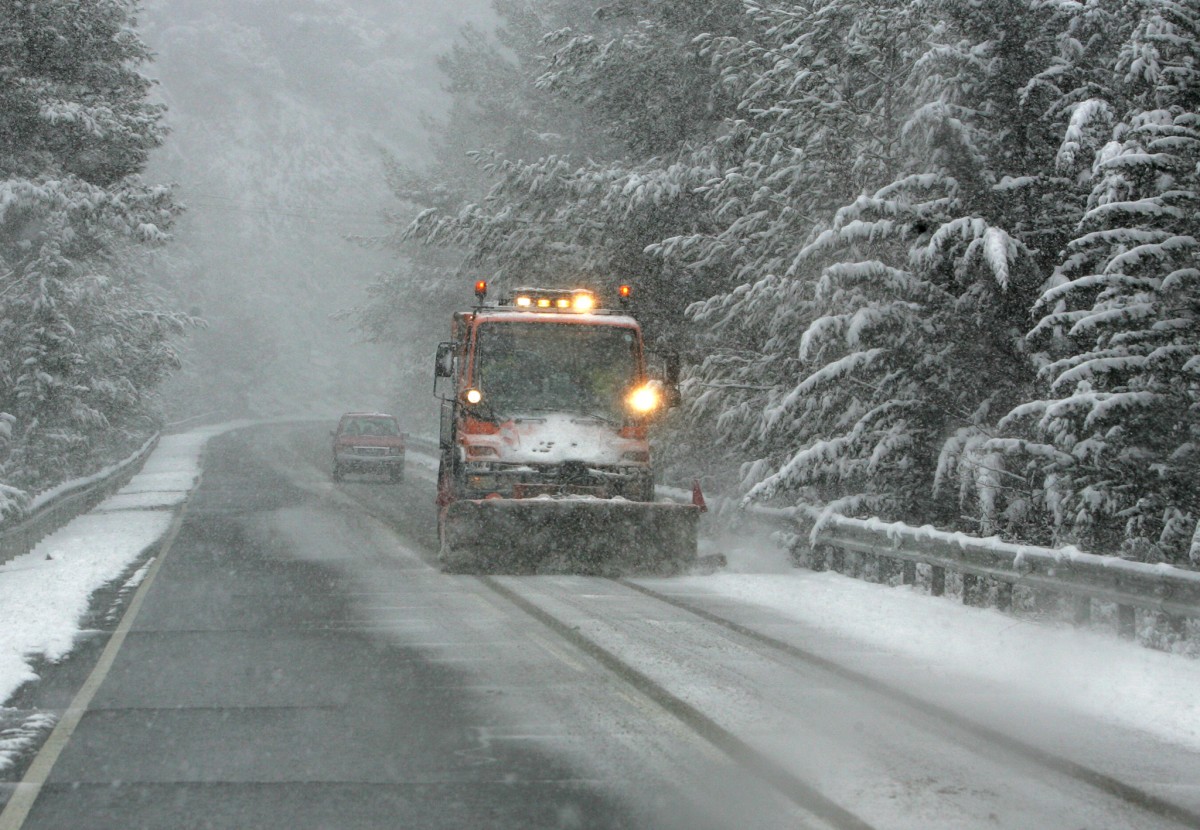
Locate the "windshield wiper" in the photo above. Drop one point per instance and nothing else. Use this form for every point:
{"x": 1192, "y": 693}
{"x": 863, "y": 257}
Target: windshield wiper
{"x": 598, "y": 416}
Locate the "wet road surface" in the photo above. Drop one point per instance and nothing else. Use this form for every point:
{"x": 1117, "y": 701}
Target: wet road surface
{"x": 297, "y": 663}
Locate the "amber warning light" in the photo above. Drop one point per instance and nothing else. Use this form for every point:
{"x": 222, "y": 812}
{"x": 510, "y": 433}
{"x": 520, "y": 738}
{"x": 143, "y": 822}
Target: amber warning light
{"x": 481, "y": 289}
{"x": 625, "y": 293}
{"x": 579, "y": 300}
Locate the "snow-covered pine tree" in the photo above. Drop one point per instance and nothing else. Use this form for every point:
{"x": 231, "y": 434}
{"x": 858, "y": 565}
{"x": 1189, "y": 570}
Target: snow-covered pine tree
{"x": 495, "y": 109}
{"x": 82, "y": 342}
{"x": 588, "y": 209}
{"x": 636, "y": 73}
{"x": 1118, "y": 322}
{"x": 989, "y": 123}
{"x": 873, "y": 338}
{"x": 796, "y": 364}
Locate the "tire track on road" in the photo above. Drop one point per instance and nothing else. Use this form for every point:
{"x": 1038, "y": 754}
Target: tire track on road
{"x": 797, "y": 791}
{"x": 1063, "y": 766}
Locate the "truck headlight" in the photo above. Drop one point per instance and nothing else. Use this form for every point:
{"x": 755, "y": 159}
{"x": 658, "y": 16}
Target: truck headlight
{"x": 644, "y": 400}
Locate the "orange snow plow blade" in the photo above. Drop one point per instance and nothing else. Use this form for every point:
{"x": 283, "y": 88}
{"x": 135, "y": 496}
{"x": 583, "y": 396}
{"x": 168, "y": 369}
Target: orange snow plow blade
{"x": 607, "y": 537}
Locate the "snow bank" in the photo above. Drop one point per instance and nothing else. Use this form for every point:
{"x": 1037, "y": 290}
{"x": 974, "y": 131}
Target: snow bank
{"x": 46, "y": 593}
{"x": 1095, "y": 674}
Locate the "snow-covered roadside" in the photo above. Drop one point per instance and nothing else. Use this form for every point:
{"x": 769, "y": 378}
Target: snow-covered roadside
{"x": 1090, "y": 672}
{"x": 46, "y": 593}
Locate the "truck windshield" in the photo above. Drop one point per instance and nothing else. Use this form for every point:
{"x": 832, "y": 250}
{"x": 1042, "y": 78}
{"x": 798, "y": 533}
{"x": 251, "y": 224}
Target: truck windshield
{"x": 556, "y": 367}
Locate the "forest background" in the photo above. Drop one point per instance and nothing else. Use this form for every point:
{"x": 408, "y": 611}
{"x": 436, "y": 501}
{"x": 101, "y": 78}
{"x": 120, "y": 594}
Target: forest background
{"x": 930, "y": 261}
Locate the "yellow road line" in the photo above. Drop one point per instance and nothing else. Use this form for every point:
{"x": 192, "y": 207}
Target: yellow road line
{"x": 26, "y": 792}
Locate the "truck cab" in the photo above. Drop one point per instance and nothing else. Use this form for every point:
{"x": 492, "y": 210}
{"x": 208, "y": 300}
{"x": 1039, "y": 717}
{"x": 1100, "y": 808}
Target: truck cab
{"x": 548, "y": 395}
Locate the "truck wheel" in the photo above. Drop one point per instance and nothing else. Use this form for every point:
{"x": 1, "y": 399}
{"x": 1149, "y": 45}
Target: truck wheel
{"x": 397, "y": 474}
{"x": 337, "y": 472}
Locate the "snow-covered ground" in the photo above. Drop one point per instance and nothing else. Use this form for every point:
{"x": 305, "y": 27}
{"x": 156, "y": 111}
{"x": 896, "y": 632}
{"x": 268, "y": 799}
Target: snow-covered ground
{"x": 45, "y": 594}
{"x": 1090, "y": 672}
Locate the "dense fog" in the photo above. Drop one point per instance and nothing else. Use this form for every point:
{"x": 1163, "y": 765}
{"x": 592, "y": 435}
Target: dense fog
{"x": 283, "y": 118}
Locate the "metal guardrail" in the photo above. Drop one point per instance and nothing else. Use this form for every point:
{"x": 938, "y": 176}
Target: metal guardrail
{"x": 1066, "y": 571}
{"x": 1154, "y": 587}
{"x": 66, "y": 502}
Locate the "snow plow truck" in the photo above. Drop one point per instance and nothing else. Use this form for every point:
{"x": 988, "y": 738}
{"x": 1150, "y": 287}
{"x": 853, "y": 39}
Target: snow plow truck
{"x": 545, "y": 459}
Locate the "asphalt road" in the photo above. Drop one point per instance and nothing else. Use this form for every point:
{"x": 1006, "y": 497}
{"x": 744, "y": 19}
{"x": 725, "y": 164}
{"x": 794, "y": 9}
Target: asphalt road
{"x": 299, "y": 663}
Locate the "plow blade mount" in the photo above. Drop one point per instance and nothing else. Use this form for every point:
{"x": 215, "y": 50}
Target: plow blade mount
{"x": 575, "y": 536}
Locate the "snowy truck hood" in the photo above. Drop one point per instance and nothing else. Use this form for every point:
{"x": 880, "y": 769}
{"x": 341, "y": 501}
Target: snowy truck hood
{"x": 552, "y": 438}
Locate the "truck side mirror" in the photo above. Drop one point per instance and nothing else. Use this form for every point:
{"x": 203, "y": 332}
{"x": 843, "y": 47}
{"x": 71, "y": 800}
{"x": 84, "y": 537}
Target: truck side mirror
{"x": 443, "y": 364}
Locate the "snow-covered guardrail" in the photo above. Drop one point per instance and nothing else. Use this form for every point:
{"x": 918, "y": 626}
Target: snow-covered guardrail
{"x": 1066, "y": 571}
{"x": 52, "y": 509}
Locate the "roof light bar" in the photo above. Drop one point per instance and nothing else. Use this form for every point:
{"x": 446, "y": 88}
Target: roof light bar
{"x": 583, "y": 301}
{"x": 578, "y": 300}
